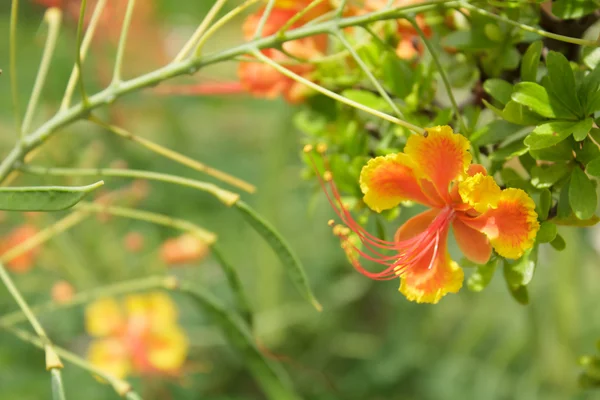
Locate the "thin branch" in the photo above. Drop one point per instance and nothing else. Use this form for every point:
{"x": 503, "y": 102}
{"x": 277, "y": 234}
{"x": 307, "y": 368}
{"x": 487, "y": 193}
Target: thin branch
{"x": 226, "y": 197}
{"x": 14, "y": 82}
{"x": 123, "y": 42}
{"x": 53, "y": 18}
{"x": 208, "y": 19}
{"x": 85, "y": 45}
{"x": 336, "y": 96}
{"x": 78, "y": 61}
{"x": 263, "y": 19}
{"x": 175, "y": 156}
{"x": 300, "y": 14}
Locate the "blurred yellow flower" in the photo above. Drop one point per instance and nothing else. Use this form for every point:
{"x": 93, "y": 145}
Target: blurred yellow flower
{"x": 139, "y": 335}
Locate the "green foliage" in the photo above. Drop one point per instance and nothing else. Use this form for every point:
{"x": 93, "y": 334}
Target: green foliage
{"x": 43, "y": 198}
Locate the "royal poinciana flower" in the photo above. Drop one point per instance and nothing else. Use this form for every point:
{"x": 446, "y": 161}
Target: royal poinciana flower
{"x": 435, "y": 170}
{"x": 139, "y": 336}
{"x": 263, "y": 80}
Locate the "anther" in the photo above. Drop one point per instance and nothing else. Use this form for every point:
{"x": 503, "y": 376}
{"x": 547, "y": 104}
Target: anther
{"x": 331, "y": 222}
{"x": 327, "y": 177}
{"x": 308, "y": 148}
{"x": 321, "y": 148}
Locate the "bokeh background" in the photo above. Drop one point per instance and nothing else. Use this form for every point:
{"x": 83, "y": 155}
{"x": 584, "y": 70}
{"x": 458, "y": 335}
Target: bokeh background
{"x": 369, "y": 343}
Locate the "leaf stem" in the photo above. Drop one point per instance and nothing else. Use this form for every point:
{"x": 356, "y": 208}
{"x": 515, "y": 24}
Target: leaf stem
{"x": 263, "y": 19}
{"x": 443, "y": 75}
{"x": 334, "y": 95}
{"x": 175, "y": 156}
{"x": 147, "y": 216}
{"x": 226, "y": 197}
{"x": 217, "y": 25}
{"x": 14, "y": 82}
{"x": 298, "y": 16}
{"x": 85, "y": 45}
{"x": 78, "y": 60}
{"x": 210, "y": 16}
{"x": 53, "y": 18}
{"x": 541, "y": 32}
{"x": 122, "y": 43}
{"x": 58, "y": 390}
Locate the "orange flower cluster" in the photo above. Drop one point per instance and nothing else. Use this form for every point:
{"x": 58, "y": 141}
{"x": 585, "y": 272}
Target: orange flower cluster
{"x": 263, "y": 80}
{"x": 25, "y": 261}
{"x": 140, "y": 335}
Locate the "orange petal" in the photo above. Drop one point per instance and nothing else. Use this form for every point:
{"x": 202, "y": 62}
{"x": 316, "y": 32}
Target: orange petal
{"x": 476, "y": 169}
{"x": 415, "y": 225}
{"x": 512, "y": 226}
{"x": 433, "y": 277}
{"x": 442, "y": 156}
{"x": 480, "y": 192}
{"x": 473, "y": 244}
{"x": 386, "y": 181}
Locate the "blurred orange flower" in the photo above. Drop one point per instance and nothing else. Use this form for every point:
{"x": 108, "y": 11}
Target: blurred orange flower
{"x": 62, "y": 292}
{"x": 183, "y": 249}
{"x": 263, "y": 80}
{"x": 134, "y": 242}
{"x": 138, "y": 336}
{"x": 25, "y": 261}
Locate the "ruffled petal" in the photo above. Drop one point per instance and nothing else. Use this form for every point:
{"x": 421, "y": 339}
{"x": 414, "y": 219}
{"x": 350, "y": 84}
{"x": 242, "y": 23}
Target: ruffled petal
{"x": 473, "y": 244}
{"x": 386, "y": 181}
{"x": 442, "y": 156}
{"x": 111, "y": 356}
{"x": 433, "y": 277}
{"x": 480, "y": 192}
{"x": 104, "y": 317}
{"x": 511, "y": 227}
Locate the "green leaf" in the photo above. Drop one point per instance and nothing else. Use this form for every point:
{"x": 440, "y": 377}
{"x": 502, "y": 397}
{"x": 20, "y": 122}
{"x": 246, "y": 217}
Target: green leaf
{"x": 562, "y": 151}
{"x": 398, "y": 75}
{"x": 582, "y": 128}
{"x": 43, "y": 198}
{"x": 586, "y": 151}
{"x": 520, "y": 294}
{"x": 270, "y": 376}
{"x": 582, "y": 195}
{"x": 547, "y": 232}
{"x": 482, "y": 277}
{"x": 520, "y": 272}
{"x": 531, "y": 61}
{"x": 511, "y": 150}
{"x": 536, "y": 97}
{"x": 520, "y": 115}
{"x": 550, "y": 133}
{"x": 569, "y": 9}
{"x": 287, "y": 257}
{"x": 494, "y": 132}
{"x": 563, "y": 209}
{"x": 561, "y": 81}
{"x": 499, "y": 89}
{"x": 544, "y": 204}
{"x": 593, "y": 168}
{"x": 558, "y": 243}
{"x": 544, "y": 176}
{"x": 493, "y": 108}
{"x": 589, "y": 91}
{"x": 572, "y": 220}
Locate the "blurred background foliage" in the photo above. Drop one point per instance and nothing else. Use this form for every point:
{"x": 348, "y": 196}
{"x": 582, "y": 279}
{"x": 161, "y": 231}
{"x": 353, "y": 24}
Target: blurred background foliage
{"x": 369, "y": 343}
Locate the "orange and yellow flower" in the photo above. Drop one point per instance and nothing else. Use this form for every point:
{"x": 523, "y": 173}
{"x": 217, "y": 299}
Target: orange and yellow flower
{"x": 138, "y": 336}
{"x": 435, "y": 170}
{"x": 25, "y": 261}
{"x": 263, "y": 80}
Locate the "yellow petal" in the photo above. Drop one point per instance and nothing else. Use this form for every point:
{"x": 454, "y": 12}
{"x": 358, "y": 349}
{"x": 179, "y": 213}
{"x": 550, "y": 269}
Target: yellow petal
{"x": 480, "y": 192}
{"x": 167, "y": 349}
{"x": 386, "y": 181}
{"x": 511, "y": 226}
{"x": 442, "y": 156}
{"x": 103, "y": 317}
{"x": 111, "y": 356}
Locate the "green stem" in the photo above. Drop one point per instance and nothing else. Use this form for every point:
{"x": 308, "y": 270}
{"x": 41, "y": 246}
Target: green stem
{"x": 78, "y": 61}
{"x": 298, "y": 16}
{"x": 334, "y": 95}
{"x": 120, "y": 386}
{"x": 53, "y": 18}
{"x": 340, "y": 10}
{"x": 85, "y": 45}
{"x": 116, "y": 289}
{"x": 175, "y": 156}
{"x": 217, "y": 25}
{"x": 369, "y": 74}
{"x": 226, "y": 197}
{"x": 541, "y": 32}
{"x": 123, "y": 42}
{"x": 210, "y": 16}
{"x": 445, "y": 79}
{"x": 58, "y": 390}
{"x": 263, "y": 19}
{"x": 14, "y": 83}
